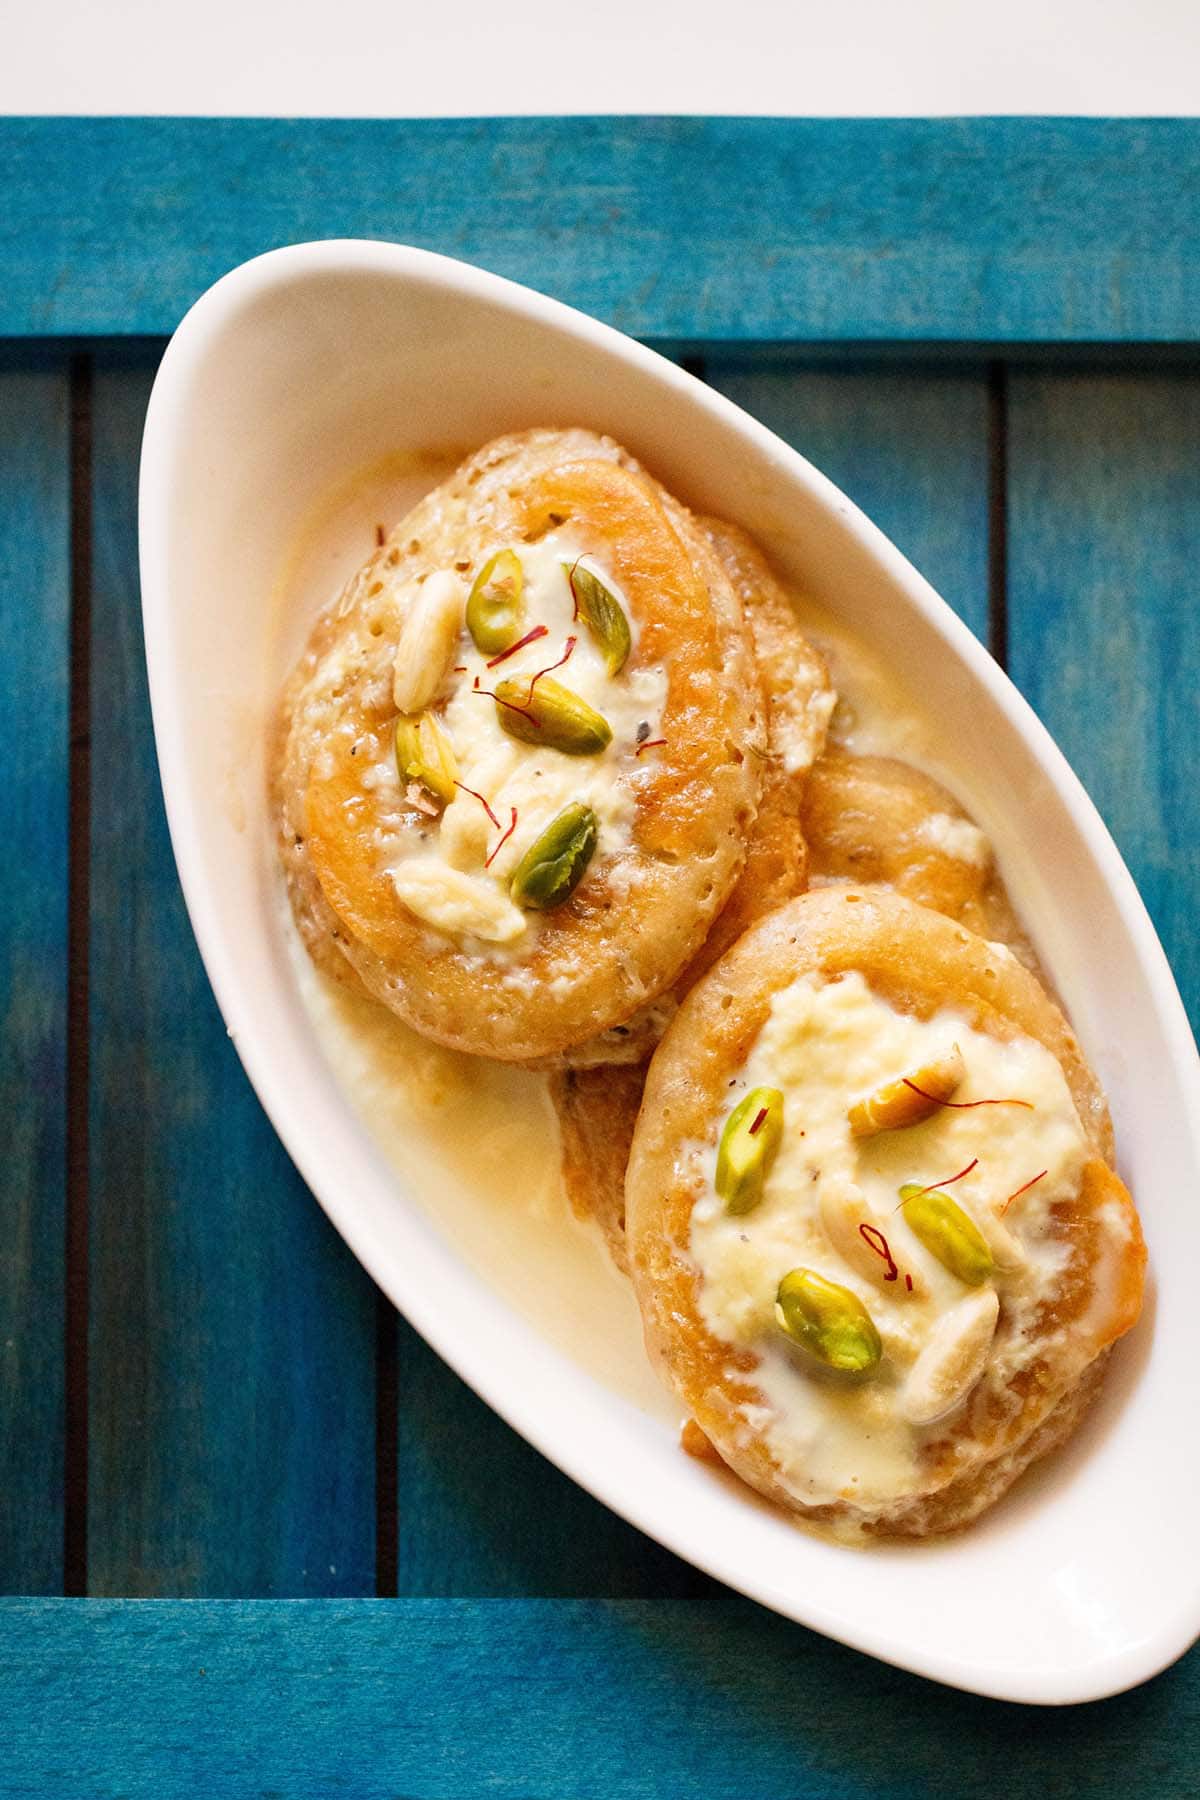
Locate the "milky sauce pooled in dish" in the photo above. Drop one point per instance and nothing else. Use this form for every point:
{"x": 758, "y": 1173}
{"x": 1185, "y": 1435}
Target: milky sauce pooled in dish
{"x": 475, "y": 1144}
{"x": 826, "y": 1045}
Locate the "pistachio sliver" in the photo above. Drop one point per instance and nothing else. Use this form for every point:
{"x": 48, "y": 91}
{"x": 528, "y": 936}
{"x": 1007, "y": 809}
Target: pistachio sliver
{"x": 829, "y": 1321}
{"x": 551, "y": 715}
{"x": 425, "y": 754}
{"x": 496, "y": 604}
{"x": 949, "y": 1233}
{"x": 602, "y": 613}
{"x": 554, "y": 864}
{"x": 748, "y": 1147}
{"x": 909, "y": 1099}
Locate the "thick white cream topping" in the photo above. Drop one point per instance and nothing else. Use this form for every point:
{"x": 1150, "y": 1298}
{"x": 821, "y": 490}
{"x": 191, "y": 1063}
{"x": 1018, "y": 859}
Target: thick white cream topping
{"x": 825, "y": 1045}
{"x": 455, "y": 873}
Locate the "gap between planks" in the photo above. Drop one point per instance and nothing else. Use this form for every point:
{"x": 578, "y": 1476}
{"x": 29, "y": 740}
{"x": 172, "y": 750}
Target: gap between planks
{"x": 387, "y": 1449}
{"x": 75, "y": 1347}
{"x": 997, "y": 521}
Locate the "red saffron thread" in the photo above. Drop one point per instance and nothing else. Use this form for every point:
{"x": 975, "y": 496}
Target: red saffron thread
{"x": 487, "y": 809}
{"x": 965, "y": 1105}
{"x": 649, "y": 744}
{"x": 512, "y": 826}
{"x": 478, "y": 688}
{"x": 380, "y": 536}
{"x": 460, "y": 668}
{"x": 1022, "y": 1190}
{"x": 758, "y": 1119}
{"x": 908, "y": 1283}
{"x": 531, "y": 637}
{"x": 949, "y": 1182}
{"x": 869, "y": 1234}
{"x": 550, "y": 668}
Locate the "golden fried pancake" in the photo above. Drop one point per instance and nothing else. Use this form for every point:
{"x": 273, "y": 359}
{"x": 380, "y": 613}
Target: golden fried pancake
{"x": 876, "y": 819}
{"x": 873, "y": 1226}
{"x": 517, "y": 761}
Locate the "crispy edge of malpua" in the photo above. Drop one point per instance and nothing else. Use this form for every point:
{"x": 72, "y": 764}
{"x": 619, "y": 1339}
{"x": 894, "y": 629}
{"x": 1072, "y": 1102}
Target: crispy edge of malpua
{"x": 878, "y": 821}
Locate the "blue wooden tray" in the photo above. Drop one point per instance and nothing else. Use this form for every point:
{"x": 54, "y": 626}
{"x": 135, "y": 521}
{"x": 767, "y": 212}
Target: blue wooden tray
{"x": 988, "y": 332}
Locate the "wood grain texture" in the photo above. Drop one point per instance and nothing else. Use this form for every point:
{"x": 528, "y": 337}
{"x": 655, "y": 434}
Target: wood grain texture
{"x": 34, "y": 677}
{"x": 1104, "y": 613}
{"x": 910, "y": 447}
{"x": 737, "y": 230}
{"x": 534, "y": 1700}
{"x": 232, "y": 1333}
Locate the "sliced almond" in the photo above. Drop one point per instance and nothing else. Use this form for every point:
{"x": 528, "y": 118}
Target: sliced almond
{"x": 463, "y": 838}
{"x": 456, "y": 902}
{"x": 844, "y": 1211}
{"x": 432, "y": 622}
{"x": 908, "y": 1099}
{"x": 953, "y": 1358}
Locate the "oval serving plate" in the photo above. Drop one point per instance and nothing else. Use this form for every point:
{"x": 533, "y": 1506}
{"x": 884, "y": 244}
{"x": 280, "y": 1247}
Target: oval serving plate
{"x": 309, "y": 364}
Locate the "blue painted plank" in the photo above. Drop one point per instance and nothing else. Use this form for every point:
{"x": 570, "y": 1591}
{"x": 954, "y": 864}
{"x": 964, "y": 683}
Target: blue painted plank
{"x": 232, "y": 1334}
{"x": 1104, "y": 613}
{"x": 34, "y": 682}
{"x": 910, "y": 446}
{"x": 534, "y": 1700}
{"x": 481, "y": 1514}
{"x": 740, "y": 230}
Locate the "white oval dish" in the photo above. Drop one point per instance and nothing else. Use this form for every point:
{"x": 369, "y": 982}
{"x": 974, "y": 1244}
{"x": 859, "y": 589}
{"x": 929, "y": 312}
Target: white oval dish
{"x": 308, "y": 364}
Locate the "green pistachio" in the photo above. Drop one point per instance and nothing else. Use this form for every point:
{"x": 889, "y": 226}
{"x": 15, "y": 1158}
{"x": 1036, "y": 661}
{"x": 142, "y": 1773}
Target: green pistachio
{"x": 748, "y": 1147}
{"x": 554, "y": 864}
{"x": 496, "y": 605}
{"x": 948, "y": 1233}
{"x": 551, "y": 715}
{"x": 602, "y": 613}
{"x": 828, "y": 1321}
{"x": 424, "y": 753}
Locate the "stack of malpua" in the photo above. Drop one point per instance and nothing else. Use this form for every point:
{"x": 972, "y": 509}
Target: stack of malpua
{"x": 558, "y": 782}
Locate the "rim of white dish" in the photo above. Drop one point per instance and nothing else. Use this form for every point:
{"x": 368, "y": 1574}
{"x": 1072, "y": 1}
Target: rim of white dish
{"x": 1120, "y": 1670}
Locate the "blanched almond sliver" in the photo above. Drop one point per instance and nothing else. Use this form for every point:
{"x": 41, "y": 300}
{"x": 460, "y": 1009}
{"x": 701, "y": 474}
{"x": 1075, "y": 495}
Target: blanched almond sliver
{"x": 432, "y": 622}
{"x": 457, "y": 902}
{"x": 844, "y": 1211}
{"x": 953, "y": 1358}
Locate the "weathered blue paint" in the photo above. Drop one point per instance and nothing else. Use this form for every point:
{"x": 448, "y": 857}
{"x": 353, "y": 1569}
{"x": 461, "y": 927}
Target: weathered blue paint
{"x": 533, "y": 1700}
{"x": 910, "y": 446}
{"x": 1104, "y": 613}
{"x": 831, "y": 231}
{"x": 481, "y": 1513}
